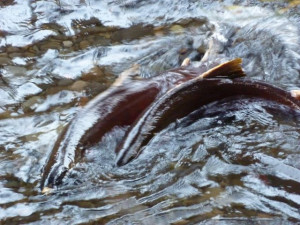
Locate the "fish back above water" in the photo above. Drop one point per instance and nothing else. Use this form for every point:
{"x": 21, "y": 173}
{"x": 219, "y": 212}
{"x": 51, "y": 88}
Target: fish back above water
{"x": 119, "y": 105}
{"x": 186, "y": 98}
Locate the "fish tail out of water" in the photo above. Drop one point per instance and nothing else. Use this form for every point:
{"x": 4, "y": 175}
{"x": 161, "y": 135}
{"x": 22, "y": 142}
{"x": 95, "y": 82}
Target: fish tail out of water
{"x": 231, "y": 69}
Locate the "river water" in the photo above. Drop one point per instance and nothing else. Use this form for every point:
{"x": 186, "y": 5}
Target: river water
{"x": 236, "y": 161}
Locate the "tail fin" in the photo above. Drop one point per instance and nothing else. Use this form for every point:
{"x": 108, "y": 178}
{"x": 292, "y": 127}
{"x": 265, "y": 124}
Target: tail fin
{"x": 231, "y": 69}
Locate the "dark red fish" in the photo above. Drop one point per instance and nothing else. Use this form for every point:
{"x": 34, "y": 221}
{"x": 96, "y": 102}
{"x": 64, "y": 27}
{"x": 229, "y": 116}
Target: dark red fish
{"x": 120, "y": 105}
{"x": 189, "y": 96}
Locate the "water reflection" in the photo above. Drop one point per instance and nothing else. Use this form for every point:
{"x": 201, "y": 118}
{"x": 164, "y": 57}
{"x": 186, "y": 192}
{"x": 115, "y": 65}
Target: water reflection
{"x": 56, "y": 55}
{"x": 230, "y": 162}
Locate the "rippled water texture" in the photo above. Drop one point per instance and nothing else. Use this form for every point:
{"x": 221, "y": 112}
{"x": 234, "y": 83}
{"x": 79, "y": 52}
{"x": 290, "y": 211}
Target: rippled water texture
{"x": 231, "y": 162}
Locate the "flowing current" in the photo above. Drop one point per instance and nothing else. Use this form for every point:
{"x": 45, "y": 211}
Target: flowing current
{"x": 236, "y": 161}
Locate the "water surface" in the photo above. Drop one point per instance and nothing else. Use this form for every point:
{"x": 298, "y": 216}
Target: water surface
{"x": 232, "y": 161}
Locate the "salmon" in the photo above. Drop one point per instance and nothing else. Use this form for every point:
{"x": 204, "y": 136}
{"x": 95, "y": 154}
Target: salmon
{"x": 213, "y": 85}
{"x": 119, "y": 105}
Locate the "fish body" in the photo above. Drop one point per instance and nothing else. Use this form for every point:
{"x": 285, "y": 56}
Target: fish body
{"x": 119, "y": 105}
{"x": 189, "y": 96}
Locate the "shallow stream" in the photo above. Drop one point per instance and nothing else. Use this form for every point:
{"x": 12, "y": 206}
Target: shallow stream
{"x": 236, "y": 161}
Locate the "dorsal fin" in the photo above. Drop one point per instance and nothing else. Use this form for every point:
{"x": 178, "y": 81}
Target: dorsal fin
{"x": 131, "y": 73}
{"x": 231, "y": 69}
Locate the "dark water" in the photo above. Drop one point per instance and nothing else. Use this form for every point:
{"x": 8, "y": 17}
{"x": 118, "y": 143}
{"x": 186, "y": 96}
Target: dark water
{"x": 231, "y": 162}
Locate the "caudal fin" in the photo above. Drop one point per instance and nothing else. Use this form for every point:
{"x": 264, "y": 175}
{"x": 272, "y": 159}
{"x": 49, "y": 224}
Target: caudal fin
{"x": 231, "y": 69}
